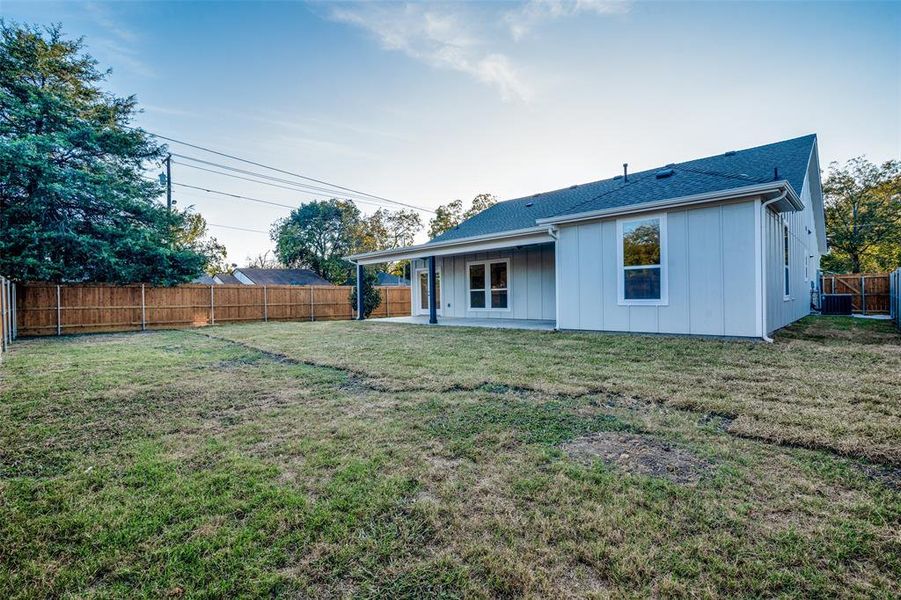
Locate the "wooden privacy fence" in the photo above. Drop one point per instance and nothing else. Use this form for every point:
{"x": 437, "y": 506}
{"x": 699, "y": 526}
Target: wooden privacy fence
{"x": 47, "y": 309}
{"x": 895, "y": 296}
{"x": 7, "y": 314}
{"x": 869, "y": 291}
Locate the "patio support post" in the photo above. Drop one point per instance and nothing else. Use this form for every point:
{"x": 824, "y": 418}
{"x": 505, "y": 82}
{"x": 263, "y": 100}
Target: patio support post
{"x": 433, "y": 309}
{"x": 360, "y": 315}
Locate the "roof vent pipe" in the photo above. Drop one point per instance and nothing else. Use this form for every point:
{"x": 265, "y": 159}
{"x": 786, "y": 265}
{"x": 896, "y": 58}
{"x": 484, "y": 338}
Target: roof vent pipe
{"x": 625, "y": 171}
{"x": 775, "y": 173}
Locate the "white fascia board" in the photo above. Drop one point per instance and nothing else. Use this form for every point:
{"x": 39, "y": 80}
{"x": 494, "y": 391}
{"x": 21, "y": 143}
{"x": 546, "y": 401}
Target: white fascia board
{"x": 478, "y": 243}
{"x": 816, "y": 197}
{"x": 751, "y": 190}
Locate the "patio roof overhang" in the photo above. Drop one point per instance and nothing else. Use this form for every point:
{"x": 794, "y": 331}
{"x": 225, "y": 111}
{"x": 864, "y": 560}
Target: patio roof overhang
{"x": 480, "y": 243}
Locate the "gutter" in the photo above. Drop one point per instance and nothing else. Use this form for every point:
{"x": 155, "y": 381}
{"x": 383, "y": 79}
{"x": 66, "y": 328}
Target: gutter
{"x": 781, "y": 186}
{"x": 449, "y": 243}
{"x": 762, "y": 258}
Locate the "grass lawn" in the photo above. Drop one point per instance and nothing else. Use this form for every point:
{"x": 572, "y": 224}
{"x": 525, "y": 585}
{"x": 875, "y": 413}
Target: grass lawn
{"x": 351, "y": 459}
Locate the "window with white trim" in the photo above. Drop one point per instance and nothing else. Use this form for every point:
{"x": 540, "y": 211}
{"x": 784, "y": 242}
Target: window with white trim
{"x": 488, "y": 283}
{"x": 642, "y": 260}
{"x": 786, "y": 291}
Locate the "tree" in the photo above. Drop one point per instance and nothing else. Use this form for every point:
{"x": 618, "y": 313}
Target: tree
{"x": 193, "y": 234}
{"x": 372, "y": 298}
{"x": 74, "y": 203}
{"x": 452, "y": 214}
{"x": 863, "y": 216}
{"x": 480, "y": 203}
{"x": 386, "y": 229}
{"x": 263, "y": 260}
{"x": 318, "y": 235}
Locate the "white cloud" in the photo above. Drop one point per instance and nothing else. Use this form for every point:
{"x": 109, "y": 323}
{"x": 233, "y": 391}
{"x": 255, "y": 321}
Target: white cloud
{"x": 442, "y": 36}
{"x": 120, "y": 44}
{"x": 526, "y": 17}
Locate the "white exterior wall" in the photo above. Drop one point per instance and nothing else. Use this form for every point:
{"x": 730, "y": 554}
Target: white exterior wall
{"x": 531, "y": 283}
{"x": 802, "y": 242}
{"x": 711, "y": 275}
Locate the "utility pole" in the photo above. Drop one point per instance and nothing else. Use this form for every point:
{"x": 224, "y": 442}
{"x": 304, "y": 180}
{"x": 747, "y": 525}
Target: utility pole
{"x": 168, "y": 161}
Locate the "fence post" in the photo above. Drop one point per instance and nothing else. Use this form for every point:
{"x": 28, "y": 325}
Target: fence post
{"x": 15, "y": 314}
{"x": 312, "y": 316}
{"x": 212, "y": 308}
{"x": 387, "y": 302}
{"x": 143, "y": 310}
{"x": 2, "y": 318}
{"x": 59, "y": 322}
{"x": 863, "y": 294}
{"x": 4, "y": 323}
{"x": 265, "y": 305}
{"x": 6, "y": 313}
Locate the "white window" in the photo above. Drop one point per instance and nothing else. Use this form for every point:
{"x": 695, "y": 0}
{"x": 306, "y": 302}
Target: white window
{"x": 786, "y": 291}
{"x": 488, "y": 285}
{"x": 641, "y": 250}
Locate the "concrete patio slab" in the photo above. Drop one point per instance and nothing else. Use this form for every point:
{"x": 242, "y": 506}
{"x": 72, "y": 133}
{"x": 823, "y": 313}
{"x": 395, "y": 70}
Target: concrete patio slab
{"x": 534, "y": 324}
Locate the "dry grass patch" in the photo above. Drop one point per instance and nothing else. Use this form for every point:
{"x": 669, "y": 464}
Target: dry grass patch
{"x": 826, "y": 383}
{"x": 226, "y": 470}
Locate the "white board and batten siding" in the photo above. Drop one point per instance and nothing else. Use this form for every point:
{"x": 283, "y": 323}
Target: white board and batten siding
{"x": 531, "y": 283}
{"x": 710, "y": 270}
{"x": 782, "y": 310}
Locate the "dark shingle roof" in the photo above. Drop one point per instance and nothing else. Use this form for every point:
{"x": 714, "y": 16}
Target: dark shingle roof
{"x": 228, "y": 279}
{"x": 389, "y": 279}
{"x": 283, "y": 277}
{"x": 204, "y": 279}
{"x": 383, "y": 279}
{"x": 721, "y": 172}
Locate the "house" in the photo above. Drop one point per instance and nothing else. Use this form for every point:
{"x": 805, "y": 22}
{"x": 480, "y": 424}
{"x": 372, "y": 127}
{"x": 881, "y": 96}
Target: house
{"x": 225, "y": 279}
{"x": 727, "y": 245}
{"x": 204, "y": 279}
{"x": 254, "y": 276}
{"x": 384, "y": 279}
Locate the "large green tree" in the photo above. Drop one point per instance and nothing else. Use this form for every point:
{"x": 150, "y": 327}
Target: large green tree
{"x": 74, "y": 202}
{"x": 863, "y": 216}
{"x": 317, "y": 236}
{"x": 386, "y": 229}
{"x": 448, "y": 216}
{"x": 193, "y": 234}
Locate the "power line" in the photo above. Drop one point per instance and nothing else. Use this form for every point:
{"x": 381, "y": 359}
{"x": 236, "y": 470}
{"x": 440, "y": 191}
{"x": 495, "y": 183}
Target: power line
{"x": 314, "y": 195}
{"x": 237, "y": 228}
{"x": 239, "y": 196}
{"x": 305, "y": 187}
{"x": 298, "y": 175}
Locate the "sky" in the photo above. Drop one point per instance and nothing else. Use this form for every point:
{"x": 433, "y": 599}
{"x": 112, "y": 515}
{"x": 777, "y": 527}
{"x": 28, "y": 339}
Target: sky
{"x": 423, "y": 103}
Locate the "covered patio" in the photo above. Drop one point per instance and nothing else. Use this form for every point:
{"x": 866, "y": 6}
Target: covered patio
{"x": 533, "y": 324}
{"x": 502, "y": 280}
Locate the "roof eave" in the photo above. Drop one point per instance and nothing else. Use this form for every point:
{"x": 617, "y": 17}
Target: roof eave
{"x": 758, "y": 189}
{"x": 516, "y": 237}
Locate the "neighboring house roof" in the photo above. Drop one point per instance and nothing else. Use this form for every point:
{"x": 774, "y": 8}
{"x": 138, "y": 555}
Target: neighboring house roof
{"x": 721, "y": 172}
{"x": 226, "y": 279}
{"x": 204, "y": 279}
{"x": 383, "y": 279}
{"x": 281, "y": 276}
{"x": 389, "y": 279}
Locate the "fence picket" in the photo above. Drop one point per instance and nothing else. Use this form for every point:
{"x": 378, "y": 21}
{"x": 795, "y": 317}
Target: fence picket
{"x": 869, "y": 292}
{"x": 48, "y": 309}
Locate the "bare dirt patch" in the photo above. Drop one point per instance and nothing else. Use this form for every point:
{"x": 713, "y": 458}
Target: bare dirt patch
{"x": 639, "y": 455}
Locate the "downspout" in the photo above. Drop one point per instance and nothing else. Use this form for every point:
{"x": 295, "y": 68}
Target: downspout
{"x": 763, "y": 276}
{"x": 554, "y": 232}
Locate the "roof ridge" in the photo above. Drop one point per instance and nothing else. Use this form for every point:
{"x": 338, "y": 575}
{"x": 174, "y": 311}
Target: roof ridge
{"x": 657, "y": 168}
